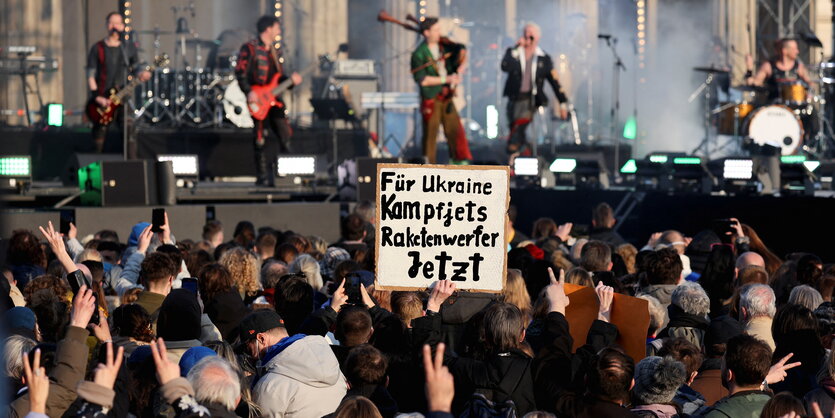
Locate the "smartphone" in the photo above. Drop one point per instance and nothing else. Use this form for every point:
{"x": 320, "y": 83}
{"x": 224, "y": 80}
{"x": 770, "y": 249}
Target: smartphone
{"x": 190, "y": 284}
{"x": 352, "y": 288}
{"x": 78, "y": 280}
{"x": 157, "y": 219}
{"x": 724, "y": 228}
{"x": 67, "y": 216}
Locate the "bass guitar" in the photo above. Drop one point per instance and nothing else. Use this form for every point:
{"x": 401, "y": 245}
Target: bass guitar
{"x": 105, "y": 115}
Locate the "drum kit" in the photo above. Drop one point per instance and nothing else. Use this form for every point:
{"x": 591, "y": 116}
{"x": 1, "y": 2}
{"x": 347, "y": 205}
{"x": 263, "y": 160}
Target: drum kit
{"x": 790, "y": 119}
{"x": 193, "y": 91}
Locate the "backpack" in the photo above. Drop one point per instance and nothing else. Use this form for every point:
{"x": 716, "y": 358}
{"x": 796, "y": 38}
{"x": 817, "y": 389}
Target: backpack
{"x": 482, "y": 404}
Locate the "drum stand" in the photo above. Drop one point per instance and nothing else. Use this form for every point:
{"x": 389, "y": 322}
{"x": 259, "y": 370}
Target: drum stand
{"x": 154, "y": 107}
{"x": 704, "y": 87}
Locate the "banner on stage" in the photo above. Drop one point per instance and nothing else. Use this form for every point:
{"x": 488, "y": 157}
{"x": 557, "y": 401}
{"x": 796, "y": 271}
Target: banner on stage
{"x": 438, "y": 222}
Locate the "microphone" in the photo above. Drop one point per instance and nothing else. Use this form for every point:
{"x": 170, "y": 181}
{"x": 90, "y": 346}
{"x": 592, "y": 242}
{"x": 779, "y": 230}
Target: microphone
{"x": 603, "y": 36}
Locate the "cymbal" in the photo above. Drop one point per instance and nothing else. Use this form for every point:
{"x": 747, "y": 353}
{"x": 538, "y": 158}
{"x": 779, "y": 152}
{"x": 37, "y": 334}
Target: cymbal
{"x": 749, "y": 88}
{"x": 710, "y": 70}
{"x": 153, "y": 32}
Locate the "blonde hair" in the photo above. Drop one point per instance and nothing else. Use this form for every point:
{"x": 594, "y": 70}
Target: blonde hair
{"x": 627, "y": 252}
{"x": 560, "y": 260}
{"x": 406, "y": 306}
{"x": 310, "y": 267}
{"x": 244, "y": 269}
{"x": 516, "y": 293}
{"x": 579, "y": 276}
{"x": 89, "y": 254}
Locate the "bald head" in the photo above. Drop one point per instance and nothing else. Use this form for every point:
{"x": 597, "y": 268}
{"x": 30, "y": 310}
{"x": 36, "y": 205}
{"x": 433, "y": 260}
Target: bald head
{"x": 749, "y": 258}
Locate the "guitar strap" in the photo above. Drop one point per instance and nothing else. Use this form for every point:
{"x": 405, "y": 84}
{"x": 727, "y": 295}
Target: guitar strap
{"x": 103, "y": 64}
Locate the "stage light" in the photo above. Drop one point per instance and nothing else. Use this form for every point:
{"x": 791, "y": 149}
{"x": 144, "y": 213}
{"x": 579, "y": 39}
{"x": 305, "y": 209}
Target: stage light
{"x": 792, "y": 159}
{"x": 658, "y": 159}
{"x": 630, "y": 128}
{"x": 492, "y": 122}
{"x": 811, "y": 165}
{"x": 687, "y": 160}
{"x": 738, "y": 169}
{"x": 185, "y": 165}
{"x": 55, "y": 114}
{"x": 630, "y": 167}
{"x": 526, "y": 166}
{"x": 299, "y": 165}
{"x": 16, "y": 166}
{"x": 563, "y": 165}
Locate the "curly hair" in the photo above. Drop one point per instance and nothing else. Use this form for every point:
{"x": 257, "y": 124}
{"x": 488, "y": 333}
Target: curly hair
{"x": 25, "y": 248}
{"x": 628, "y": 253}
{"x": 58, "y": 286}
{"x": 244, "y": 269}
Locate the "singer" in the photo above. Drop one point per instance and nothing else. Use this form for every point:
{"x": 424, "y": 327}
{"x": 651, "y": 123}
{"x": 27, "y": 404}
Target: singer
{"x": 527, "y": 67}
{"x": 108, "y": 64}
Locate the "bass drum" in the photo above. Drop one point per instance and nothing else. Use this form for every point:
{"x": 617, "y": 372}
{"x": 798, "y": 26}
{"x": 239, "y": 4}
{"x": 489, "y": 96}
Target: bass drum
{"x": 776, "y": 125}
{"x": 234, "y": 106}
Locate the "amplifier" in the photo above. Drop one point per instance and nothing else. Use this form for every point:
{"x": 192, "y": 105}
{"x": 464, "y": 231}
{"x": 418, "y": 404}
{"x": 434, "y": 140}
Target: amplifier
{"x": 114, "y": 183}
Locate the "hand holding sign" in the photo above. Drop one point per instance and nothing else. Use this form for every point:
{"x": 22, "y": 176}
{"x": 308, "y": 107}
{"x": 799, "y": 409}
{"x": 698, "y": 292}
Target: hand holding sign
{"x": 555, "y": 292}
{"x": 440, "y": 293}
{"x": 605, "y": 294}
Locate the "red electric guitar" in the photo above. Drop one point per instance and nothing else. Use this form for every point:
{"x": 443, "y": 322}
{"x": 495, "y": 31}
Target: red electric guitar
{"x": 105, "y": 115}
{"x": 266, "y": 94}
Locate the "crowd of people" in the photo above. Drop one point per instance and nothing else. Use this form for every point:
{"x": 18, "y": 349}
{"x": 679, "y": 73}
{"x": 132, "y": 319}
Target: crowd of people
{"x": 280, "y": 324}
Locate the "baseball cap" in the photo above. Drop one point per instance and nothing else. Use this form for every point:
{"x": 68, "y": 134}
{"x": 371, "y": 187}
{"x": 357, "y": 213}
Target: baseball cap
{"x": 259, "y": 321}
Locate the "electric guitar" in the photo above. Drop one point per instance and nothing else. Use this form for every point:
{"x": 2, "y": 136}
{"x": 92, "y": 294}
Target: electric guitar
{"x": 105, "y": 115}
{"x": 266, "y": 94}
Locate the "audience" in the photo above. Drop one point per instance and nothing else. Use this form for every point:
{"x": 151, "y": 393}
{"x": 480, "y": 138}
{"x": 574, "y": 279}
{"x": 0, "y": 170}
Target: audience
{"x": 286, "y": 324}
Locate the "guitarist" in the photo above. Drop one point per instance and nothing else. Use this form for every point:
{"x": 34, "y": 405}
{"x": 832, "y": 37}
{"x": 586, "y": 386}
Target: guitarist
{"x": 108, "y": 64}
{"x": 435, "y": 68}
{"x": 528, "y": 67}
{"x": 258, "y": 62}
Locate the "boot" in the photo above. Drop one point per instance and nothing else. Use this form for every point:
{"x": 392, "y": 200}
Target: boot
{"x": 261, "y": 170}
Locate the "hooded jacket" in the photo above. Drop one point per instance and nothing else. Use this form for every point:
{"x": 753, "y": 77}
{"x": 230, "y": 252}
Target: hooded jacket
{"x": 662, "y": 292}
{"x": 302, "y": 380}
{"x": 740, "y": 405}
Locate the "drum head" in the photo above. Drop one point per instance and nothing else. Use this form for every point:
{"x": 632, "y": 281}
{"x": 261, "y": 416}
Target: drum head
{"x": 234, "y": 106}
{"x": 777, "y": 126}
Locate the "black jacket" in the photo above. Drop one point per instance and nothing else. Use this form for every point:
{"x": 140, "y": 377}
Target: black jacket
{"x": 544, "y": 71}
{"x": 500, "y": 376}
{"x": 226, "y": 310}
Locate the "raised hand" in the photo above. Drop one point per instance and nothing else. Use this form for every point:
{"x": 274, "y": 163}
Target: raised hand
{"x": 73, "y": 232}
{"x": 777, "y": 372}
{"x": 340, "y": 298}
{"x": 653, "y": 240}
{"x": 83, "y": 307}
{"x": 107, "y": 372}
{"x": 167, "y": 370}
{"x": 555, "y": 292}
{"x": 564, "y": 230}
{"x": 366, "y": 298}
{"x": 440, "y": 293}
{"x": 605, "y": 294}
{"x": 102, "y": 330}
{"x": 56, "y": 243}
{"x": 144, "y": 239}
{"x": 166, "y": 231}
{"x": 440, "y": 386}
{"x": 37, "y": 381}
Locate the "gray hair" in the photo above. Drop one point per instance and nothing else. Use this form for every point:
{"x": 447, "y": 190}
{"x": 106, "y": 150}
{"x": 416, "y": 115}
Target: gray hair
{"x": 691, "y": 298}
{"x": 367, "y": 210}
{"x": 758, "y": 300}
{"x": 214, "y": 381}
{"x": 657, "y": 314}
{"x": 13, "y": 350}
{"x": 533, "y": 26}
{"x": 307, "y": 264}
{"x": 807, "y": 296}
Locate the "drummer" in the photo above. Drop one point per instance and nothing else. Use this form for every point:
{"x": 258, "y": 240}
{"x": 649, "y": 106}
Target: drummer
{"x": 786, "y": 68}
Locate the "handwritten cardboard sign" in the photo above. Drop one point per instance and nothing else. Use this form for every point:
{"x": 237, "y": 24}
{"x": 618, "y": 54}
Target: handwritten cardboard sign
{"x": 439, "y": 222}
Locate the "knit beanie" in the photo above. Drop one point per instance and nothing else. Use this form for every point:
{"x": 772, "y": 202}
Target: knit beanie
{"x": 657, "y": 379}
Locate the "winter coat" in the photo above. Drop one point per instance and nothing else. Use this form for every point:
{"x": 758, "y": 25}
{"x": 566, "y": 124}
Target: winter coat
{"x": 709, "y": 382}
{"x": 71, "y": 364}
{"x": 760, "y": 327}
{"x": 690, "y": 402}
{"x": 745, "y": 404}
{"x": 590, "y": 406}
{"x": 301, "y": 379}
{"x": 656, "y": 411}
{"x": 685, "y": 325}
{"x": 662, "y": 292}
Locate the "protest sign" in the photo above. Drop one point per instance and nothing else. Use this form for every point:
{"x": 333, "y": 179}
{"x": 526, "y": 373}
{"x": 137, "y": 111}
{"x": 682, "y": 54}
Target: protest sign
{"x": 629, "y": 314}
{"x": 441, "y": 223}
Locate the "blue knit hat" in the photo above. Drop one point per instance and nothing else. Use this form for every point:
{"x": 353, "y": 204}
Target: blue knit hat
{"x": 192, "y": 356}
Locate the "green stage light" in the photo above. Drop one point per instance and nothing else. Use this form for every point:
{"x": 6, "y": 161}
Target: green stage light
{"x": 630, "y": 167}
{"x": 792, "y": 159}
{"x": 16, "y": 166}
{"x": 55, "y": 114}
{"x": 687, "y": 160}
{"x": 630, "y": 128}
{"x": 658, "y": 159}
{"x": 563, "y": 165}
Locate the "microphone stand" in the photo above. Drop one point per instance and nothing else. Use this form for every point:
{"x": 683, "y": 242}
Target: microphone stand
{"x": 617, "y": 68}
